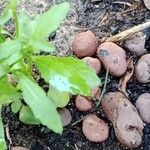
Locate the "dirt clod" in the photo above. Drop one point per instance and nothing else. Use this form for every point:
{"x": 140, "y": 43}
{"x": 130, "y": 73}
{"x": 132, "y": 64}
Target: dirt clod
{"x": 85, "y": 44}
{"x": 125, "y": 118}
{"x": 143, "y": 106}
{"x": 95, "y": 129}
{"x": 113, "y": 57}
{"x": 82, "y": 103}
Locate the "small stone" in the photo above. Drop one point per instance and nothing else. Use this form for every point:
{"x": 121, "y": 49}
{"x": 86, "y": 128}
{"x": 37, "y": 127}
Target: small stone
{"x": 85, "y": 44}
{"x": 136, "y": 44}
{"x": 95, "y": 129}
{"x": 113, "y": 58}
{"x": 142, "y": 69}
{"x": 65, "y": 116}
{"x": 83, "y": 104}
{"x": 143, "y": 106}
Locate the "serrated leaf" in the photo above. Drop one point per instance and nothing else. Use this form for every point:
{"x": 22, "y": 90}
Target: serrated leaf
{"x": 42, "y": 107}
{"x": 26, "y": 116}
{"x": 8, "y": 93}
{"x": 26, "y": 25}
{"x": 50, "y": 20}
{"x": 8, "y": 48}
{"x": 67, "y": 74}
{"x": 42, "y": 45}
{"x": 2, "y": 135}
{"x": 16, "y": 106}
{"x": 60, "y": 99}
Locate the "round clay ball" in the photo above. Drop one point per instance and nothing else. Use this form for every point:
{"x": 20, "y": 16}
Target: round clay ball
{"x": 85, "y": 44}
{"x": 95, "y": 129}
{"x": 143, "y": 106}
{"x": 142, "y": 69}
{"x": 113, "y": 57}
{"x": 83, "y": 104}
{"x": 66, "y": 117}
{"x": 93, "y": 63}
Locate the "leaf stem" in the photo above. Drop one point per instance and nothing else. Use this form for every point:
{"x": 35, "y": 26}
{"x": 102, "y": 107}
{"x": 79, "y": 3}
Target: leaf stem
{"x": 104, "y": 89}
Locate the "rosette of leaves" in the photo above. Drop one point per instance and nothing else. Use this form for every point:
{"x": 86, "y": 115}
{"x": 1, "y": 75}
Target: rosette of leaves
{"x": 18, "y": 85}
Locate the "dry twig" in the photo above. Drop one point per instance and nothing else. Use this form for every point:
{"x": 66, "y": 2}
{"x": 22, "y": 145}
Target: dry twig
{"x": 128, "y": 33}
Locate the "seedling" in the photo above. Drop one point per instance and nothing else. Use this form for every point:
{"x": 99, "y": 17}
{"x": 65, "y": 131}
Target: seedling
{"x": 19, "y": 54}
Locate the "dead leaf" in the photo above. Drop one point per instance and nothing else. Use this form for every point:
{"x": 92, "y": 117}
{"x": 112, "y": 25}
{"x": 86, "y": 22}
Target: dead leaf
{"x": 125, "y": 79}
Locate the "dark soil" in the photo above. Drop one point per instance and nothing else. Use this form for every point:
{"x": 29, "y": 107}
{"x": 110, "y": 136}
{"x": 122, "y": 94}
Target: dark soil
{"x": 104, "y": 18}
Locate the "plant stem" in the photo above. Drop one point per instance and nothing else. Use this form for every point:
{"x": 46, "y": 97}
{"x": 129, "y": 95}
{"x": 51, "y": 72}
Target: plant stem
{"x": 104, "y": 89}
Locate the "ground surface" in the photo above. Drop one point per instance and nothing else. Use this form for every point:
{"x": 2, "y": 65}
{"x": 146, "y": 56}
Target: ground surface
{"x": 104, "y": 18}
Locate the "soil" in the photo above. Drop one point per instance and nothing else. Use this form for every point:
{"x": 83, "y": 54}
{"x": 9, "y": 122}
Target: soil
{"x": 105, "y": 18}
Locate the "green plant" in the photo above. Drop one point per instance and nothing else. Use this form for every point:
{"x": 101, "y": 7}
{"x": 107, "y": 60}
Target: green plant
{"x": 18, "y": 86}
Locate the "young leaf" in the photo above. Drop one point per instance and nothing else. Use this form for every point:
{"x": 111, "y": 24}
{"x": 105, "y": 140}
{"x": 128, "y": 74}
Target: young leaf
{"x": 26, "y": 25}
{"x": 2, "y": 136}
{"x": 60, "y": 99}
{"x": 8, "y": 93}
{"x": 16, "y": 106}
{"x": 6, "y": 15}
{"x": 50, "y": 20}
{"x": 67, "y": 74}
{"x": 26, "y": 116}
{"x": 42, "y": 107}
{"x": 8, "y": 12}
{"x": 8, "y": 48}
{"x": 42, "y": 45}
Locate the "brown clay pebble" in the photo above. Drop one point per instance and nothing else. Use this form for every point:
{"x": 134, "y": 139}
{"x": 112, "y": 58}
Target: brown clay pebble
{"x": 65, "y": 116}
{"x": 19, "y": 148}
{"x": 95, "y": 129}
{"x": 143, "y": 106}
{"x": 85, "y": 44}
{"x": 142, "y": 69}
{"x": 95, "y": 93}
{"x": 82, "y": 103}
{"x": 113, "y": 57}
{"x": 136, "y": 44}
{"x": 125, "y": 118}
{"x": 93, "y": 63}
{"x": 147, "y": 4}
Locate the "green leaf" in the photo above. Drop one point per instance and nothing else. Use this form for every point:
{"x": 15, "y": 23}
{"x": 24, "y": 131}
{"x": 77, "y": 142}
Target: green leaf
{"x": 26, "y": 116}
{"x": 8, "y": 12}
{"x": 2, "y": 135}
{"x": 26, "y": 25}
{"x": 42, "y": 107}
{"x": 67, "y": 74}
{"x": 13, "y": 4}
{"x": 6, "y": 16}
{"x": 50, "y": 20}
{"x": 8, "y": 48}
{"x": 60, "y": 99}
{"x": 8, "y": 93}
{"x": 42, "y": 45}
{"x": 3, "y": 69}
{"x": 2, "y": 39}
{"x": 16, "y": 106}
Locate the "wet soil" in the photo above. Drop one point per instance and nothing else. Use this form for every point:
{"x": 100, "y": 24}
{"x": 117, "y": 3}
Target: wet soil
{"x": 105, "y": 18}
